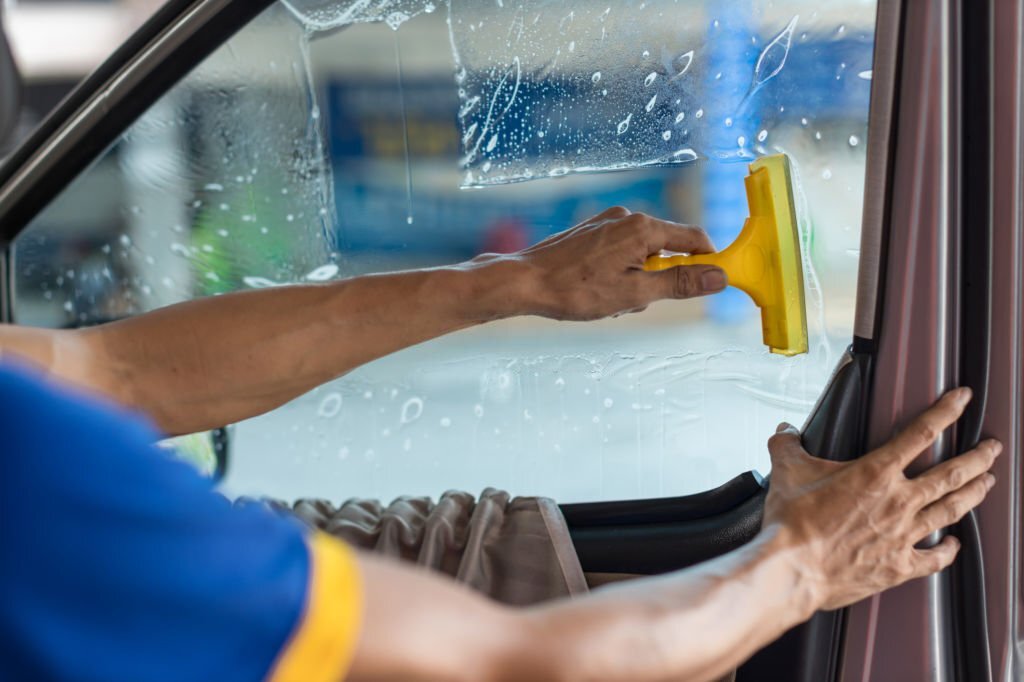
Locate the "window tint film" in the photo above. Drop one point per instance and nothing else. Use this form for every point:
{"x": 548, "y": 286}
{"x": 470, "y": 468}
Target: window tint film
{"x": 331, "y": 139}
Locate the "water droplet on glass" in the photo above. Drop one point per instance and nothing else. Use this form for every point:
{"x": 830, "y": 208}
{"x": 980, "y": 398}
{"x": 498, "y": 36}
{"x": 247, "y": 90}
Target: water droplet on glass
{"x": 343, "y": 454}
{"x": 478, "y": 410}
{"x": 650, "y": 78}
{"x": 762, "y": 136}
{"x": 651, "y": 103}
{"x": 700, "y": 113}
{"x": 608, "y": 402}
{"x": 666, "y": 135}
{"x": 596, "y": 77}
{"x": 330, "y": 406}
{"x": 412, "y": 410}
{"x": 624, "y": 124}
{"x": 684, "y": 61}
{"x": 445, "y": 422}
{"x": 854, "y": 140}
{"x": 323, "y": 273}
{"x": 685, "y": 154}
{"x": 728, "y": 122}
{"x": 741, "y": 141}
{"x": 680, "y": 116}
{"x": 865, "y": 75}
{"x": 214, "y": 187}
{"x": 826, "y": 174}
{"x": 259, "y": 282}
{"x": 773, "y": 56}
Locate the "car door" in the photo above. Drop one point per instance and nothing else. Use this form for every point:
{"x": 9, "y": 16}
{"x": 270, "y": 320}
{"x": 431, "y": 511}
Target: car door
{"x": 239, "y": 145}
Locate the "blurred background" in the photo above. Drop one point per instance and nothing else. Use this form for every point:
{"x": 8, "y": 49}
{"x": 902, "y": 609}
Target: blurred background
{"x": 318, "y": 144}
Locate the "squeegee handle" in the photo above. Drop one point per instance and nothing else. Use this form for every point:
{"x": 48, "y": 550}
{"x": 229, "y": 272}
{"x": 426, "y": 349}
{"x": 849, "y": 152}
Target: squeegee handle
{"x": 745, "y": 262}
{"x": 656, "y": 263}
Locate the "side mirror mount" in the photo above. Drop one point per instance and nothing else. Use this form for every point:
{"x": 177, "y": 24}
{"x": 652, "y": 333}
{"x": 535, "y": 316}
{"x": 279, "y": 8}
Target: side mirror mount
{"x": 10, "y": 87}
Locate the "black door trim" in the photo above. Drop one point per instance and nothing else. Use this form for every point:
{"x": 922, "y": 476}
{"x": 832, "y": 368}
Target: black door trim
{"x": 971, "y": 653}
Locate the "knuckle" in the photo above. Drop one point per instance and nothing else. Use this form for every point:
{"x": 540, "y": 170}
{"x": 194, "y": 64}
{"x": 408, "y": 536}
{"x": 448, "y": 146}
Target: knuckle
{"x": 699, "y": 233}
{"x": 875, "y": 468}
{"x": 956, "y": 478}
{"x": 903, "y": 504}
{"x": 617, "y": 212}
{"x": 953, "y": 509}
{"x": 685, "y": 283}
{"x": 777, "y": 441}
{"x": 902, "y": 569}
{"x": 926, "y": 431}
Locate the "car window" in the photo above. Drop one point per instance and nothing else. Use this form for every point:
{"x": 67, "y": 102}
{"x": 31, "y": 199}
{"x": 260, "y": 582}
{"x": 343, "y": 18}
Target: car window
{"x": 326, "y": 140}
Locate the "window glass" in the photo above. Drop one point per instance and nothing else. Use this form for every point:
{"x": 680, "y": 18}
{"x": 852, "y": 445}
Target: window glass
{"x": 331, "y": 139}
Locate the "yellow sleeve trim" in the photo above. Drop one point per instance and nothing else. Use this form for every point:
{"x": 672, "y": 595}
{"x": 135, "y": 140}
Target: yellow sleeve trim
{"x": 324, "y": 640}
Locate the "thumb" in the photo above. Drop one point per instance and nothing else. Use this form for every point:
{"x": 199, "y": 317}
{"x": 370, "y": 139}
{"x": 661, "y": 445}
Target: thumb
{"x": 690, "y": 281}
{"x": 785, "y": 444}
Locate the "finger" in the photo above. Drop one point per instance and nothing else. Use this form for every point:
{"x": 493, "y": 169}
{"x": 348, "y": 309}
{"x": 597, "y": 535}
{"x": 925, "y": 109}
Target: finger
{"x": 662, "y": 234}
{"x": 925, "y": 430}
{"x": 952, "y": 507}
{"x": 951, "y": 475}
{"x": 934, "y": 559}
{"x": 684, "y": 281}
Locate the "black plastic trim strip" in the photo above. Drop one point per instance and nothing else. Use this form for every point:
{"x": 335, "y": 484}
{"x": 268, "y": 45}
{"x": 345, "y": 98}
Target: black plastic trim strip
{"x": 719, "y": 500}
{"x": 971, "y": 645}
{"x": 190, "y": 52}
{"x": 655, "y": 548}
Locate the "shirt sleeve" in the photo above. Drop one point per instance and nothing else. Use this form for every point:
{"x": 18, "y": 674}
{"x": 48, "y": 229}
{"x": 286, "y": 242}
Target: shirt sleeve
{"x": 121, "y": 563}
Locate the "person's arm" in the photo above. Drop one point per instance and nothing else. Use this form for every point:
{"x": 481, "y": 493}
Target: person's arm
{"x": 214, "y": 361}
{"x": 834, "y": 533}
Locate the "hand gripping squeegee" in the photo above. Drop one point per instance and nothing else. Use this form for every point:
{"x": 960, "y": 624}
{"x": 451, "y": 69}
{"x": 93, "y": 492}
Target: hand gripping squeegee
{"x": 764, "y": 261}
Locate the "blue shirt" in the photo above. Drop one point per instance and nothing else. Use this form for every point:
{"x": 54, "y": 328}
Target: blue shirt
{"x": 122, "y": 563}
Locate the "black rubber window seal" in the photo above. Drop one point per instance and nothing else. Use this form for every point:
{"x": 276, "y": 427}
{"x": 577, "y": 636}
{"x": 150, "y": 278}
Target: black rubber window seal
{"x": 971, "y": 655}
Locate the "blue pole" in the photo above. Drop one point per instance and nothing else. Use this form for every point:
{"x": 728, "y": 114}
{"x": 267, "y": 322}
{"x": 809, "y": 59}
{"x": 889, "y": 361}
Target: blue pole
{"x": 724, "y": 197}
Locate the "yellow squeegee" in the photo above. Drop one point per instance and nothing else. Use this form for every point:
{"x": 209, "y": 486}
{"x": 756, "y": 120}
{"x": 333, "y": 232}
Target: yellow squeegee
{"x": 764, "y": 261}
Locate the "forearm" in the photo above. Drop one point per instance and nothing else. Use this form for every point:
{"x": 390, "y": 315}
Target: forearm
{"x": 696, "y": 624}
{"x": 214, "y": 361}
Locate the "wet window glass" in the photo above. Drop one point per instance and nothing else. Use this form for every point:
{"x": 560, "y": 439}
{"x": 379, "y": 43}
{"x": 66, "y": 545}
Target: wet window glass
{"x": 330, "y": 139}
